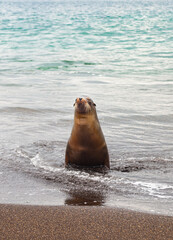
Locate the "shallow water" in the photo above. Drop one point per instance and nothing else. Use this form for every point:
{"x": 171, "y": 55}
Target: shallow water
{"x": 119, "y": 54}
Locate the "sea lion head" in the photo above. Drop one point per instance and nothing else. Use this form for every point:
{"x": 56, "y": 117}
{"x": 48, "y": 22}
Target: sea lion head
{"x": 84, "y": 106}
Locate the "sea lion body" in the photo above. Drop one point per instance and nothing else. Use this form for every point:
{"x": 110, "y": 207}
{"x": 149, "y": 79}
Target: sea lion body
{"x": 86, "y": 146}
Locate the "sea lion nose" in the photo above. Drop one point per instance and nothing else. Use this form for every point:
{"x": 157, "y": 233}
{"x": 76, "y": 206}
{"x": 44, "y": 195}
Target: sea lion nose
{"x": 80, "y": 100}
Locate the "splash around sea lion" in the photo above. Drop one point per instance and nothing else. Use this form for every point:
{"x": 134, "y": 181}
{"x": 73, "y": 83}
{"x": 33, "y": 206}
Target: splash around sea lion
{"x": 86, "y": 146}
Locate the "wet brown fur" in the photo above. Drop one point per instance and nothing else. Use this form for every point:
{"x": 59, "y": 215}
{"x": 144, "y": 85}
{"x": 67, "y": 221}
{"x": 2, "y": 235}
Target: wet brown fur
{"x": 86, "y": 146}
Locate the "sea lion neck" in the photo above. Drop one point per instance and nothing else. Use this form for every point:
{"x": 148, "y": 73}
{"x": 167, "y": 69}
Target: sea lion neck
{"x": 83, "y": 119}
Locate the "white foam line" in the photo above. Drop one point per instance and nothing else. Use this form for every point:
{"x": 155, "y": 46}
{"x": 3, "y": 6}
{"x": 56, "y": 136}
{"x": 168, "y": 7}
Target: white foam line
{"x": 156, "y": 186}
{"x": 154, "y": 189}
{"x": 37, "y": 162}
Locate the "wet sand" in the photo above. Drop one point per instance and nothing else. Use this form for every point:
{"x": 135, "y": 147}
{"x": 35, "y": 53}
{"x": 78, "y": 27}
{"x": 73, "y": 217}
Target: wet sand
{"x": 68, "y": 223}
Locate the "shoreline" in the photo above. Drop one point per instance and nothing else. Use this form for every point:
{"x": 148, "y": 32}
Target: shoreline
{"x": 86, "y": 222}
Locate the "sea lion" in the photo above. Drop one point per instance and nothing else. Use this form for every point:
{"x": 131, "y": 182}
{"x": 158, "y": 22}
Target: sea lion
{"x": 86, "y": 146}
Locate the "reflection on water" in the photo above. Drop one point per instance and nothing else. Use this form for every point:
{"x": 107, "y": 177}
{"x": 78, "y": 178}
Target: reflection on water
{"x": 85, "y": 198}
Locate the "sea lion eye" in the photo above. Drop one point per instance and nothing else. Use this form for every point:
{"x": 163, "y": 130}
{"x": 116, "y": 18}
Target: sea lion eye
{"x": 90, "y": 103}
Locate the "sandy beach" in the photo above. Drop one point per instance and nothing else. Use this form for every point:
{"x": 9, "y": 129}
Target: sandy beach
{"x": 68, "y": 223}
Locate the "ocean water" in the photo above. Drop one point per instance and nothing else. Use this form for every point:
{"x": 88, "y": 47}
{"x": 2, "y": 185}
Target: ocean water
{"x": 120, "y": 53}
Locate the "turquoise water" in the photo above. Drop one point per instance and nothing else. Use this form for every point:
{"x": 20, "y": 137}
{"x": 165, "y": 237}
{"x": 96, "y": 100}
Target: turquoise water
{"x": 120, "y": 53}
{"x": 116, "y": 39}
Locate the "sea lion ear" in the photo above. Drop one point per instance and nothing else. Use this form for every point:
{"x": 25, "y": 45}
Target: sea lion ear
{"x": 94, "y": 104}
{"x": 74, "y": 102}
